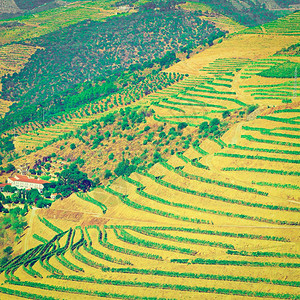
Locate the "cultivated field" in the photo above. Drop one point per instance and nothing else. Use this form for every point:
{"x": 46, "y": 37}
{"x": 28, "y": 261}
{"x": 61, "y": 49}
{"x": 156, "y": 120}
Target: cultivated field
{"x": 179, "y": 229}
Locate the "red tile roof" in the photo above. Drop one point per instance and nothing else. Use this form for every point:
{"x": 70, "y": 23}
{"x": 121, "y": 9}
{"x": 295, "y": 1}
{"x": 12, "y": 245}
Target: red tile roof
{"x": 24, "y": 178}
{"x": 4, "y": 184}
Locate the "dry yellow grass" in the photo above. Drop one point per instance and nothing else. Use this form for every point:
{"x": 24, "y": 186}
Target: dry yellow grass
{"x": 249, "y": 46}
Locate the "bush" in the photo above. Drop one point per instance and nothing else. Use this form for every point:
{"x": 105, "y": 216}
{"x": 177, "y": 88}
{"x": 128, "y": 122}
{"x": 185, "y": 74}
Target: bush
{"x": 214, "y": 122}
{"x": 182, "y": 125}
{"x": 203, "y": 126}
{"x": 72, "y": 146}
{"x": 111, "y": 156}
{"x": 124, "y": 168}
{"x": 9, "y": 168}
{"x": 107, "y": 174}
{"x": 225, "y": 114}
{"x": 130, "y": 138}
{"x": 251, "y": 109}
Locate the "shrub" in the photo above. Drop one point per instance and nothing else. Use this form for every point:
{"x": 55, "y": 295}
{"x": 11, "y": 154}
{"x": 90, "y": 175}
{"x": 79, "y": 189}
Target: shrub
{"x": 72, "y": 146}
{"x": 251, "y": 109}
{"x": 214, "y": 122}
{"x": 225, "y": 114}
{"x": 182, "y": 125}
{"x": 107, "y": 174}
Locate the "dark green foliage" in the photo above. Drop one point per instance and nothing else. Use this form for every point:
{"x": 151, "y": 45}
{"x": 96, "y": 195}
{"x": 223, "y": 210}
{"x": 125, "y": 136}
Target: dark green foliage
{"x": 182, "y": 125}
{"x": 22, "y": 294}
{"x": 293, "y": 50}
{"x": 124, "y": 168}
{"x": 88, "y": 198}
{"x": 240, "y": 263}
{"x": 72, "y": 180}
{"x": 251, "y": 109}
{"x": 225, "y": 114}
{"x": 248, "y": 13}
{"x": 263, "y": 254}
{"x": 107, "y": 174}
{"x": 28, "y": 5}
{"x": 139, "y": 38}
{"x": 6, "y": 145}
{"x": 271, "y": 171}
{"x": 267, "y": 158}
{"x": 285, "y": 70}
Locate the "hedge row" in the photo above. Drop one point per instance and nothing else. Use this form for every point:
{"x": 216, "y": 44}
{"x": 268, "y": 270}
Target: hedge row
{"x": 149, "y": 232}
{"x": 22, "y": 294}
{"x": 220, "y": 198}
{"x": 77, "y": 291}
{"x": 50, "y": 225}
{"x": 88, "y": 198}
{"x": 66, "y": 263}
{"x": 271, "y": 171}
{"x": 269, "y": 132}
{"x": 282, "y": 120}
{"x": 177, "y": 287}
{"x": 201, "y": 151}
{"x": 212, "y": 181}
{"x": 167, "y": 106}
{"x": 130, "y": 203}
{"x": 276, "y": 159}
{"x": 130, "y": 252}
{"x": 278, "y": 185}
{"x": 203, "y": 261}
{"x": 40, "y": 238}
{"x": 194, "y": 162}
{"x": 253, "y": 139}
{"x": 206, "y": 276}
{"x": 105, "y": 256}
{"x": 263, "y": 254}
{"x": 212, "y": 232}
{"x": 128, "y": 238}
{"x": 264, "y": 149}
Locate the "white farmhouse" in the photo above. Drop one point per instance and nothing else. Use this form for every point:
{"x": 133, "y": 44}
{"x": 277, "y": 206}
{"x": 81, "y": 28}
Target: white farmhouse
{"x": 27, "y": 183}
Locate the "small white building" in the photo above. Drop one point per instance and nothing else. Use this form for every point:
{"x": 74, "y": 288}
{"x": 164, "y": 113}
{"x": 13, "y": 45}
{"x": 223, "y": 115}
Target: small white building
{"x": 27, "y": 183}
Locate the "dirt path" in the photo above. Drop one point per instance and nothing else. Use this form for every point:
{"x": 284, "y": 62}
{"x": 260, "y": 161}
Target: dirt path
{"x": 237, "y": 133}
{"x": 176, "y": 224}
{"x": 28, "y": 234}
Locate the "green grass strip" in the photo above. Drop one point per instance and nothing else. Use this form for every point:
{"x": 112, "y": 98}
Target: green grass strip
{"x": 22, "y": 294}
{"x": 178, "y": 287}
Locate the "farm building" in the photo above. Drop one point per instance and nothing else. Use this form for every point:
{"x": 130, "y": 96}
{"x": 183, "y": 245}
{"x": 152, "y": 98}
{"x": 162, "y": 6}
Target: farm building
{"x": 25, "y": 182}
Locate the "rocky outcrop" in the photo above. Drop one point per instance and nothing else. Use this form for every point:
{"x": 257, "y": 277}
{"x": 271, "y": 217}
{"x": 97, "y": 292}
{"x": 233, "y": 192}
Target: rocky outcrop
{"x": 9, "y": 7}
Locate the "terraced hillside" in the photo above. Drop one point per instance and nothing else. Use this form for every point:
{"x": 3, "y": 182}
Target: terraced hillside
{"x": 197, "y": 223}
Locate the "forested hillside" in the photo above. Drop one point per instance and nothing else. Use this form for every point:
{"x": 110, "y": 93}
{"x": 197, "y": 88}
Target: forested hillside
{"x": 248, "y": 12}
{"x": 96, "y": 50}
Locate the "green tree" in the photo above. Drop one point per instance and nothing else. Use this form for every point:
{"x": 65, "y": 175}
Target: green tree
{"x": 124, "y": 168}
{"x": 225, "y": 114}
{"x": 214, "y": 122}
{"x": 107, "y": 174}
{"x": 10, "y": 168}
{"x": 71, "y": 179}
